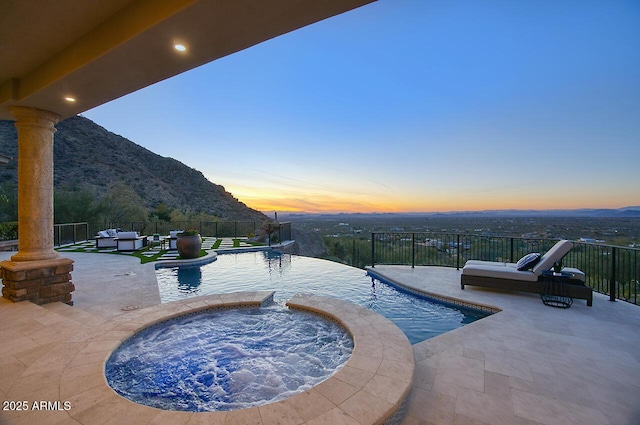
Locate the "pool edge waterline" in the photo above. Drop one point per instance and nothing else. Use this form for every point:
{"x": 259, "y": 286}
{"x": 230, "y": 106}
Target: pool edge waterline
{"x": 450, "y": 301}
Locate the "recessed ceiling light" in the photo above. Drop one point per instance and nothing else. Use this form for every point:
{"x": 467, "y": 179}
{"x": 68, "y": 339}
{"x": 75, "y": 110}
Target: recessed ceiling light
{"x": 70, "y": 99}
{"x": 180, "y": 47}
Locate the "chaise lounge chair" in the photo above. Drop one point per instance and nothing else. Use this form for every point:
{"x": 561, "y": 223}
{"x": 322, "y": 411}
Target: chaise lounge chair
{"x": 511, "y": 277}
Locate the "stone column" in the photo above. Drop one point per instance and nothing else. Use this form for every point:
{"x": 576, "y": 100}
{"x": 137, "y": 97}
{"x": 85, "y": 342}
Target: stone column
{"x": 35, "y": 183}
{"x": 36, "y": 272}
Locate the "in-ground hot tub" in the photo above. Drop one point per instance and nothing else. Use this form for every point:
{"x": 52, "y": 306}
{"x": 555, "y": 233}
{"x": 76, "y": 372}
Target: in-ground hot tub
{"x": 228, "y": 359}
{"x": 370, "y": 388}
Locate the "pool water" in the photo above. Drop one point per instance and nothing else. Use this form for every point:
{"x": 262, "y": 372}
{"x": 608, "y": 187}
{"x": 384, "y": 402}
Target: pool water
{"x": 219, "y": 360}
{"x": 418, "y": 317}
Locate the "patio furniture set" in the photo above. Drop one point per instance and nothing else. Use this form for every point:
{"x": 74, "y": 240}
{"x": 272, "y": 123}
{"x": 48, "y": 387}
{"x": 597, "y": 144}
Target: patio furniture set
{"x": 132, "y": 241}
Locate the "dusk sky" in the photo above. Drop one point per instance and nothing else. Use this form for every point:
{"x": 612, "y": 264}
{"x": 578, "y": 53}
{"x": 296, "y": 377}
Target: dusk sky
{"x": 413, "y": 105}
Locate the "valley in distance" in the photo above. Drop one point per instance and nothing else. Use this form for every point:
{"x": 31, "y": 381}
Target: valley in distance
{"x": 620, "y": 227}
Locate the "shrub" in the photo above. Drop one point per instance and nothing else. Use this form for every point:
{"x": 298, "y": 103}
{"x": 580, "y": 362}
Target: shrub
{"x": 189, "y": 232}
{"x": 9, "y": 231}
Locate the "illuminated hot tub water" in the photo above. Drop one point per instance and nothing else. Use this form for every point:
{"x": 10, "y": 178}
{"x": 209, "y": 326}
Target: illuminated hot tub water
{"x": 217, "y": 360}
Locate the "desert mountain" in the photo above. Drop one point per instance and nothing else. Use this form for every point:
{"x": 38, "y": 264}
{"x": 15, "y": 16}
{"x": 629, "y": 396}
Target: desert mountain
{"x": 87, "y": 155}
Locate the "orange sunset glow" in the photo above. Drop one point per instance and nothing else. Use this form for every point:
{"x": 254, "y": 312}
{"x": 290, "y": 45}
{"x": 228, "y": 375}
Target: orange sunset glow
{"x": 413, "y": 106}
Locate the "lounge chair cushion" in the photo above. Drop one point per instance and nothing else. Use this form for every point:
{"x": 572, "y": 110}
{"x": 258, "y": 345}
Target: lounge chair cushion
{"x": 103, "y": 234}
{"x": 490, "y": 263}
{"x": 508, "y": 271}
{"x": 528, "y": 261}
{"x": 577, "y": 273}
{"x": 128, "y": 235}
{"x": 556, "y": 253}
{"x": 498, "y": 272}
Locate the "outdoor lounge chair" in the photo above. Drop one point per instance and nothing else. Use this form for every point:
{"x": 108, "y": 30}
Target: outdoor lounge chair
{"x": 507, "y": 276}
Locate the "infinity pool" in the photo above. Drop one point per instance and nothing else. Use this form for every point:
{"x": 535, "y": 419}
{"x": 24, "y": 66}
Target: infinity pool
{"x": 418, "y": 317}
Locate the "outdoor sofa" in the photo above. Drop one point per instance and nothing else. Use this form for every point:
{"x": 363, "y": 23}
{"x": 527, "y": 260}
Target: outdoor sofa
{"x": 106, "y": 239}
{"x": 130, "y": 241}
{"x": 512, "y": 277}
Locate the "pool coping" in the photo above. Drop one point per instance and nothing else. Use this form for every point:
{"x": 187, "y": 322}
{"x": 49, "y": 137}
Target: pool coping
{"x": 212, "y": 255}
{"x": 369, "y": 389}
{"x": 444, "y": 299}
{"x": 206, "y": 259}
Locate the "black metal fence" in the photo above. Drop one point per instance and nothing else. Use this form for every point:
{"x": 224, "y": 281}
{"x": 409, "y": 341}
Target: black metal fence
{"x": 610, "y": 270}
{"x": 74, "y": 232}
{"x": 284, "y": 231}
{"x": 221, "y": 229}
{"x": 70, "y": 233}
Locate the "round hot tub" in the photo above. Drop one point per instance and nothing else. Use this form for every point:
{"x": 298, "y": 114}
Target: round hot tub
{"x": 228, "y": 359}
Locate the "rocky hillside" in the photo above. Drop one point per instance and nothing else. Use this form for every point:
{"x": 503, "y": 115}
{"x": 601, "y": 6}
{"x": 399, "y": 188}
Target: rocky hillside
{"x": 307, "y": 243}
{"x": 86, "y": 154}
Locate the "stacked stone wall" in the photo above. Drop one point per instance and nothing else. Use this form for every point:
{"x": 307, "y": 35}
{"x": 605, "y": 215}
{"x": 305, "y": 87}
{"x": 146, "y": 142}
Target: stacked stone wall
{"x": 40, "y": 286}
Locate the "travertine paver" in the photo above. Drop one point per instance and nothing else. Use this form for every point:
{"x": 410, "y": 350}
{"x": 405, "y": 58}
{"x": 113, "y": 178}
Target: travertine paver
{"x": 528, "y": 364}
{"x": 584, "y": 361}
{"x": 68, "y": 367}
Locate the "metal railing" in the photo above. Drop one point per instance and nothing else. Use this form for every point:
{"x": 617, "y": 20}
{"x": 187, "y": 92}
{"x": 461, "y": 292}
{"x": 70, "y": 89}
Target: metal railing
{"x": 68, "y": 233}
{"x": 284, "y": 231}
{"x": 218, "y": 229}
{"x": 610, "y": 270}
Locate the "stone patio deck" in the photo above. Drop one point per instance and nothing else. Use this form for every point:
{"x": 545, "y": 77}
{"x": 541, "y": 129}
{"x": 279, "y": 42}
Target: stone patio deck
{"x": 528, "y": 364}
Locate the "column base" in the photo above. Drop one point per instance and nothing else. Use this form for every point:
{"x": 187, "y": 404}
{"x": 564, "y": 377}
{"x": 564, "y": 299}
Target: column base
{"x": 44, "y": 254}
{"x": 41, "y": 282}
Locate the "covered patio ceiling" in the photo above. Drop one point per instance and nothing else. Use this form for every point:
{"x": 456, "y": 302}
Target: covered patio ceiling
{"x": 68, "y": 56}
